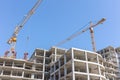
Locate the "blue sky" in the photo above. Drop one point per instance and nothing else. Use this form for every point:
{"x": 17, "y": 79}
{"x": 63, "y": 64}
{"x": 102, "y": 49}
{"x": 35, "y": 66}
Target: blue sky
{"x": 55, "y": 20}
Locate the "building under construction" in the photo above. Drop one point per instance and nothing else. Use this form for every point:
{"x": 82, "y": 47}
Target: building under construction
{"x": 118, "y": 53}
{"x": 60, "y": 64}
{"x": 110, "y": 63}
{"x": 76, "y": 64}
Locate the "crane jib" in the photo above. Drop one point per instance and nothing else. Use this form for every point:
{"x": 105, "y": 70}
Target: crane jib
{"x": 82, "y": 31}
{"x": 13, "y": 38}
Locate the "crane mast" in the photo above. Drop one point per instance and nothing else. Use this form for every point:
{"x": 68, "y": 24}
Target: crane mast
{"x": 13, "y": 39}
{"x": 82, "y": 31}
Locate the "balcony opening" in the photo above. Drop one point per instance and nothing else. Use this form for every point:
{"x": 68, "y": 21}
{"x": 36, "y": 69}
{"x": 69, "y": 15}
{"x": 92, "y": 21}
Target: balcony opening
{"x": 94, "y": 78}
{"x": 39, "y": 52}
{"x": 62, "y": 72}
{"x": 39, "y": 68}
{"x": 68, "y": 68}
{"x": 27, "y": 75}
{"x": 8, "y": 63}
{"x": 38, "y": 76}
{"x": 56, "y": 65}
{"x": 47, "y": 76}
{"x": 80, "y": 55}
{"x": 39, "y": 60}
{"x": 47, "y": 61}
{"x": 17, "y": 73}
{"x": 93, "y": 69}
{"x": 57, "y": 76}
{"x": 62, "y": 61}
{"x": 52, "y": 68}
{"x": 48, "y": 54}
{"x": 69, "y": 77}
{"x": 81, "y": 77}
{"x": 92, "y": 57}
{"x": 47, "y": 68}
{"x": 18, "y": 64}
{"x": 7, "y": 72}
{"x": 60, "y": 52}
{"x": 80, "y": 67}
{"x": 28, "y": 66}
{"x": 1, "y": 63}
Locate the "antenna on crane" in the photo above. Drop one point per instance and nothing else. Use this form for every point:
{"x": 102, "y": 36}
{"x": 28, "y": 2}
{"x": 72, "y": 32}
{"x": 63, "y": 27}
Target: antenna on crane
{"x": 82, "y": 31}
{"x": 13, "y": 39}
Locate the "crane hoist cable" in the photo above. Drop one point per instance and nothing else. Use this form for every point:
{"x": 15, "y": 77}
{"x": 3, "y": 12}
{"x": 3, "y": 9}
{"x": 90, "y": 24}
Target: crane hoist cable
{"x": 82, "y": 31}
{"x": 13, "y": 39}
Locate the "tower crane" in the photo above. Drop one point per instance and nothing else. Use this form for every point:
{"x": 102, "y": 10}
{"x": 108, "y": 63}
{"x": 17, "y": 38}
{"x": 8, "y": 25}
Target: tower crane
{"x": 13, "y": 39}
{"x": 91, "y": 26}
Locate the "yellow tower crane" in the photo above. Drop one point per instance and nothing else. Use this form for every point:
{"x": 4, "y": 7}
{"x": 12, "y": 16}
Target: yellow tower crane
{"x": 82, "y": 31}
{"x": 13, "y": 39}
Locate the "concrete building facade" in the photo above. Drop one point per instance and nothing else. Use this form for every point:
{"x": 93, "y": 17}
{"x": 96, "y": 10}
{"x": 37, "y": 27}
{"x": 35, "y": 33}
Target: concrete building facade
{"x": 77, "y": 64}
{"x": 111, "y": 62}
{"x": 118, "y": 53}
{"x": 16, "y": 69}
{"x": 36, "y": 68}
{"x": 61, "y": 64}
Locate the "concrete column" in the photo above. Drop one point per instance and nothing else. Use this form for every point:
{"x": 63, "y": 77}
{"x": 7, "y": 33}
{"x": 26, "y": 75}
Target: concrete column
{"x": 54, "y": 76}
{"x": 3, "y": 63}
{"x": 59, "y": 70}
{"x": 24, "y": 66}
{"x": 50, "y": 69}
{"x": 23, "y": 74}
{"x": 87, "y": 67}
{"x": 50, "y": 72}
{"x": 99, "y": 67}
{"x": 44, "y": 65}
{"x": 55, "y": 54}
{"x": 65, "y": 71}
{"x": 32, "y": 76}
{"x": 86, "y": 58}
{"x": 1, "y": 72}
{"x": 50, "y": 77}
{"x": 59, "y": 74}
{"x": 110, "y": 55}
{"x": 59, "y": 64}
{"x": 113, "y": 78}
{"x": 34, "y": 60}
{"x": 103, "y": 63}
{"x": 64, "y": 59}
{"x": 73, "y": 75}
{"x": 33, "y": 67}
{"x": 35, "y": 53}
{"x": 11, "y": 73}
{"x": 54, "y": 67}
{"x": 13, "y": 64}
{"x": 104, "y": 58}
